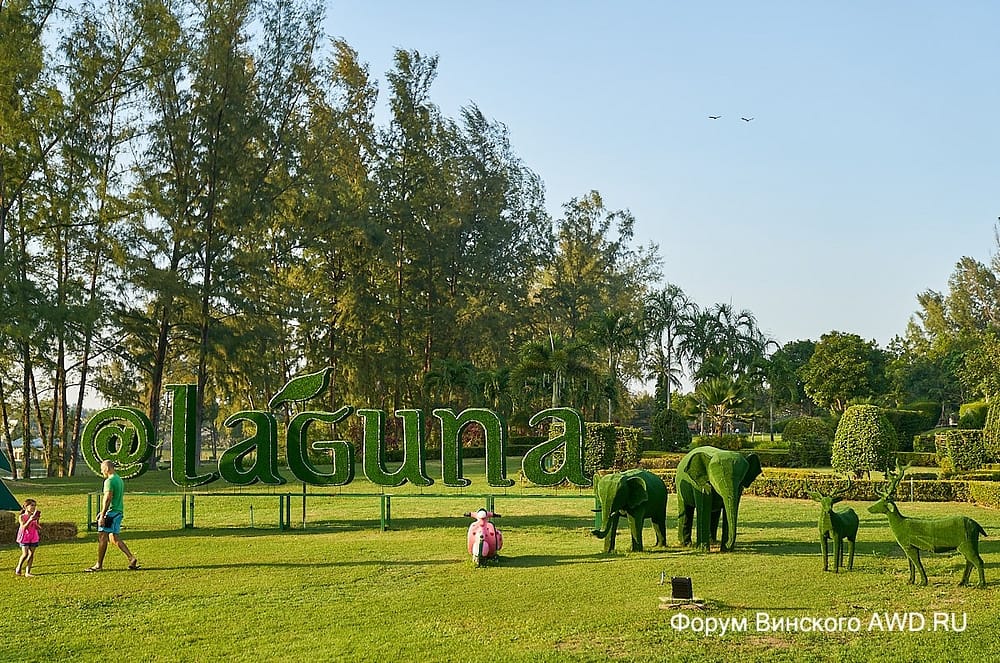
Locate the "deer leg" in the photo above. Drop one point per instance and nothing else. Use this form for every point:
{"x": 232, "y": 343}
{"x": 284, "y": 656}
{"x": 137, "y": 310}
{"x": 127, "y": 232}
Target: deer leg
{"x": 850, "y": 561}
{"x": 972, "y": 559}
{"x": 825, "y": 547}
{"x": 920, "y": 566}
{"x": 838, "y": 553}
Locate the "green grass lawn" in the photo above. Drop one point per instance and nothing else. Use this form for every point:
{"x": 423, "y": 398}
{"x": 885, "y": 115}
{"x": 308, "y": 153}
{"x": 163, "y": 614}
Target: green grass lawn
{"x": 340, "y": 589}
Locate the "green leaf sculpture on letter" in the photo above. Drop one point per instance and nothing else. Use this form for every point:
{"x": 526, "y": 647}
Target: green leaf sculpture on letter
{"x": 302, "y": 388}
{"x": 931, "y": 534}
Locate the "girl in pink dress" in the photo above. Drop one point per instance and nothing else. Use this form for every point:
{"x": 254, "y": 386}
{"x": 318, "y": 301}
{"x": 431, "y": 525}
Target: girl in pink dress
{"x": 27, "y": 536}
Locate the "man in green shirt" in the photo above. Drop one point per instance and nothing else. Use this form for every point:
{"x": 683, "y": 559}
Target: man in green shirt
{"x": 109, "y": 520}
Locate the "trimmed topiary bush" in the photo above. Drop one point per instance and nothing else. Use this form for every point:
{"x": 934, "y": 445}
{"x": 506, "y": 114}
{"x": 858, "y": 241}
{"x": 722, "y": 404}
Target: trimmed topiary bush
{"x": 810, "y": 441}
{"x": 670, "y": 431}
{"x": 864, "y": 442}
{"x": 930, "y": 409}
{"x": 972, "y": 415}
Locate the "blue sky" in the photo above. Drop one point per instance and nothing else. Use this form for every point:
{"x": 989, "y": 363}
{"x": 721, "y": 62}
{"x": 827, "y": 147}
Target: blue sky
{"x": 869, "y": 169}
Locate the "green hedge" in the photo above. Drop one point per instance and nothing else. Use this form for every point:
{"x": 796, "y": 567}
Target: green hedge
{"x": 960, "y": 450}
{"x": 668, "y": 461}
{"x": 973, "y": 415}
{"x": 598, "y": 447}
{"x": 991, "y": 432}
{"x": 907, "y": 424}
{"x": 628, "y": 447}
{"x": 986, "y": 493}
{"x": 917, "y": 458}
{"x": 728, "y": 441}
{"x": 860, "y": 490}
{"x": 924, "y": 442}
{"x": 810, "y": 441}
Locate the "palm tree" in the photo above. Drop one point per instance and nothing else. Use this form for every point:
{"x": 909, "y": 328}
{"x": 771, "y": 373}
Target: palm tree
{"x": 721, "y": 399}
{"x": 555, "y": 359}
{"x": 615, "y": 333}
{"x": 665, "y": 313}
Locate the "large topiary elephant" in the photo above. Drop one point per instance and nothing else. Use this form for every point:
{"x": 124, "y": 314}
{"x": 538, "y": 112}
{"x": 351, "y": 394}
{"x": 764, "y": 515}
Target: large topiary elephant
{"x": 710, "y": 482}
{"x": 639, "y": 494}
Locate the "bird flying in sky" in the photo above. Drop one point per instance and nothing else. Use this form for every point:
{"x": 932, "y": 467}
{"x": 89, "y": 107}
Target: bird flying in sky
{"x": 714, "y": 117}
{"x": 746, "y": 119}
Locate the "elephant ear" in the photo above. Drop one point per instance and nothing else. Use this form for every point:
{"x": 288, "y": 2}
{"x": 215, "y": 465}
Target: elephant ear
{"x": 753, "y": 471}
{"x": 637, "y": 495}
{"x": 697, "y": 469}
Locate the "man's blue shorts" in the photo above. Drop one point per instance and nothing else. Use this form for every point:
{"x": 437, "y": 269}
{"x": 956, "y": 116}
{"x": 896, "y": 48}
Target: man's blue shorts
{"x": 112, "y": 523}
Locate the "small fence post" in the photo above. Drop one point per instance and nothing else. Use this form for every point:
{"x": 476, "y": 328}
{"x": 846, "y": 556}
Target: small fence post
{"x": 184, "y": 516}
{"x": 385, "y": 511}
{"x": 489, "y": 503}
{"x": 303, "y": 505}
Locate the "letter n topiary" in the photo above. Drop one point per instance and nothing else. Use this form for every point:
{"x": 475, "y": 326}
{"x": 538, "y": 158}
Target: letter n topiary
{"x": 864, "y": 442}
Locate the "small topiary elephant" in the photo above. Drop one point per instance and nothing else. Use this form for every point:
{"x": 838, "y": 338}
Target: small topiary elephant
{"x": 710, "y": 483}
{"x": 639, "y": 494}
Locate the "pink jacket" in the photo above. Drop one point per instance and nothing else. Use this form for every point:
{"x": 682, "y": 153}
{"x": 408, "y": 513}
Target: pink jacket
{"x": 28, "y": 531}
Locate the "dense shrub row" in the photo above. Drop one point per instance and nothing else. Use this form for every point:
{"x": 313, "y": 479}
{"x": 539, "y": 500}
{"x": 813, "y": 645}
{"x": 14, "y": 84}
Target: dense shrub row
{"x": 861, "y": 490}
{"x": 917, "y": 458}
{"x": 960, "y": 450}
{"x": 917, "y": 490}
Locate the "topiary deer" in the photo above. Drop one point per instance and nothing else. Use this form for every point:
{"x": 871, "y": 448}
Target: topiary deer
{"x": 931, "y": 534}
{"x": 836, "y": 525}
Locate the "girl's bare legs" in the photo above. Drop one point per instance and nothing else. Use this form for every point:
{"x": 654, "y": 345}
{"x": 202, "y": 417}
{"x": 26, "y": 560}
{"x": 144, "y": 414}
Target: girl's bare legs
{"x": 20, "y": 562}
{"x": 29, "y": 562}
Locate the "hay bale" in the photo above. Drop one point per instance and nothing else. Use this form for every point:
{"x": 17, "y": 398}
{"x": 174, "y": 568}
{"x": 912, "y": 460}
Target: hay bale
{"x": 52, "y": 532}
{"x": 8, "y": 526}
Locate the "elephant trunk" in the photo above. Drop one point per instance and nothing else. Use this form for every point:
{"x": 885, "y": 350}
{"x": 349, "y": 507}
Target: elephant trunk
{"x": 731, "y": 504}
{"x": 609, "y": 519}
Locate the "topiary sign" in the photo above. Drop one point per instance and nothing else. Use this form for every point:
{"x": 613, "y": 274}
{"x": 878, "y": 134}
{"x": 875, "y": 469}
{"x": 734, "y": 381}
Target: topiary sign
{"x": 126, "y": 436}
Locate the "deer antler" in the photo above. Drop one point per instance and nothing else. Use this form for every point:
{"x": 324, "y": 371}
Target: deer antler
{"x": 894, "y": 478}
{"x": 843, "y": 490}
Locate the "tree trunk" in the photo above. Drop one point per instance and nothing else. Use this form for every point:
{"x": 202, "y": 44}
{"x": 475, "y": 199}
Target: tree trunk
{"x": 8, "y": 440}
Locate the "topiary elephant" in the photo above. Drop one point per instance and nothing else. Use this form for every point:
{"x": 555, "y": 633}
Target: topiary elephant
{"x": 710, "y": 482}
{"x": 639, "y": 494}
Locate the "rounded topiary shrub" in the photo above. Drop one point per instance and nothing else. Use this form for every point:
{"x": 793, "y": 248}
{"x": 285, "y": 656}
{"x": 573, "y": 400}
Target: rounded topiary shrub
{"x": 864, "y": 442}
{"x": 972, "y": 415}
{"x": 670, "y": 431}
{"x": 810, "y": 441}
